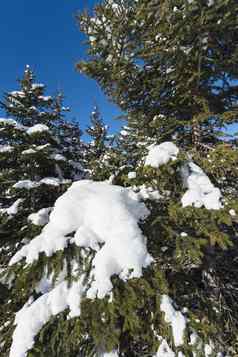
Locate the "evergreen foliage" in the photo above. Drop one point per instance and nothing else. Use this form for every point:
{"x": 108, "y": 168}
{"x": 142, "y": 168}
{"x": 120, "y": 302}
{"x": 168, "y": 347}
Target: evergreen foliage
{"x": 99, "y": 153}
{"x": 171, "y": 65}
{"x": 40, "y": 154}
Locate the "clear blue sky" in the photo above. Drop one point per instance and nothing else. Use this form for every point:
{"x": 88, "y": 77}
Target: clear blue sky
{"x": 45, "y": 35}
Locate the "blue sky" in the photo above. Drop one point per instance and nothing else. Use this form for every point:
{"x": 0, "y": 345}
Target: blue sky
{"x": 45, "y": 35}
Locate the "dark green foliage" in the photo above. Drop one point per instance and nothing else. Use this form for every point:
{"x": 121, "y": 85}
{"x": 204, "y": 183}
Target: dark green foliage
{"x": 171, "y": 65}
{"x": 100, "y": 150}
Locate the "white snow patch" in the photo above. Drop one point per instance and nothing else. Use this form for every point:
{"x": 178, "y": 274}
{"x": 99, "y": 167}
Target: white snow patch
{"x": 17, "y": 93}
{"x": 175, "y": 318}
{"x": 161, "y": 154}
{"x": 30, "y": 319}
{"x": 41, "y": 217}
{"x": 12, "y": 122}
{"x": 37, "y": 85}
{"x": 45, "y": 98}
{"x": 58, "y": 157}
{"x": 164, "y": 350}
{"x": 28, "y": 152}
{"x": 38, "y": 128}
{"x": 232, "y": 212}
{"x": 6, "y": 148}
{"x": 132, "y": 175}
{"x": 201, "y": 192}
{"x": 53, "y": 181}
{"x": 98, "y": 213}
{"x": 27, "y": 184}
{"x": 13, "y": 209}
{"x": 147, "y": 193}
{"x": 110, "y": 354}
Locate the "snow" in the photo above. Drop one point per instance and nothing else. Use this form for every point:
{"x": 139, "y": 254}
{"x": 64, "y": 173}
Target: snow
{"x": 147, "y": 193}
{"x": 27, "y": 184}
{"x": 28, "y": 152}
{"x": 30, "y": 319}
{"x": 38, "y": 128}
{"x": 210, "y": 3}
{"x": 98, "y": 213}
{"x": 201, "y": 192}
{"x": 41, "y": 217}
{"x": 53, "y": 181}
{"x": 45, "y": 98}
{"x": 12, "y": 122}
{"x": 37, "y": 85}
{"x": 161, "y": 154}
{"x": 58, "y": 157}
{"x": 17, "y": 93}
{"x": 175, "y": 318}
{"x": 232, "y": 212}
{"x": 110, "y": 354}
{"x": 6, "y": 148}
{"x": 164, "y": 350}
{"x": 13, "y": 209}
{"x": 132, "y": 175}
{"x": 124, "y": 132}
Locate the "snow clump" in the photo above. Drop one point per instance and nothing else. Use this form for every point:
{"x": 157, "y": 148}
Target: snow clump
{"x": 30, "y": 319}
{"x": 161, "y": 154}
{"x": 41, "y": 217}
{"x": 175, "y": 318}
{"x": 104, "y": 218}
{"x": 38, "y": 128}
{"x": 201, "y": 192}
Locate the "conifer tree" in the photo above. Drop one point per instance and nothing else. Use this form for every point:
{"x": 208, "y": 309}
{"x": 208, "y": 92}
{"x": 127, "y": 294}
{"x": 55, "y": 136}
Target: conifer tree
{"x": 170, "y": 65}
{"x": 100, "y": 151}
{"x": 40, "y": 155}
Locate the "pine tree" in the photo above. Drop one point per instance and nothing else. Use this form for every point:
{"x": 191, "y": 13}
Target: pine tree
{"x": 170, "y": 65}
{"x": 100, "y": 151}
{"x": 40, "y": 155}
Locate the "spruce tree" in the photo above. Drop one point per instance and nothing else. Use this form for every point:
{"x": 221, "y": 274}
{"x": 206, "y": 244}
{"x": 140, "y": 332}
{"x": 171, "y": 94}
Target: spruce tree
{"x": 100, "y": 151}
{"x": 40, "y": 155}
{"x": 170, "y": 65}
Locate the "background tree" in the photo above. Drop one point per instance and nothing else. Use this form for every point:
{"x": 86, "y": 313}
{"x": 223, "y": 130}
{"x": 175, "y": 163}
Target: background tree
{"x": 166, "y": 63}
{"x": 40, "y": 154}
{"x": 100, "y": 150}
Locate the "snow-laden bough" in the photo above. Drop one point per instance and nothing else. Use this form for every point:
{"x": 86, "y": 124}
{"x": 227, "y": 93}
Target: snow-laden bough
{"x": 104, "y": 218}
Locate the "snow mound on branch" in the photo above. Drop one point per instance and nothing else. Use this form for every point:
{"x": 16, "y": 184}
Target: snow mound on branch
{"x": 28, "y": 152}
{"x": 30, "y": 319}
{"x": 6, "y": 148}
{"x": 38, "y": 128}
{"x": 12, "y": 122}
{"x": 161, "y": 154}
{"x": 102, "y": 217}
{"x": 201, "y": 192}
{"x": 51, "y": 181}
{"x": 41, "y": 217}
{"x": 175, "y": 318}
{"x": 27, "y": 184}
{"x": 110, "y": 354}
{"x": 164, "y": 350}
{"x": 13, "y": 209}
